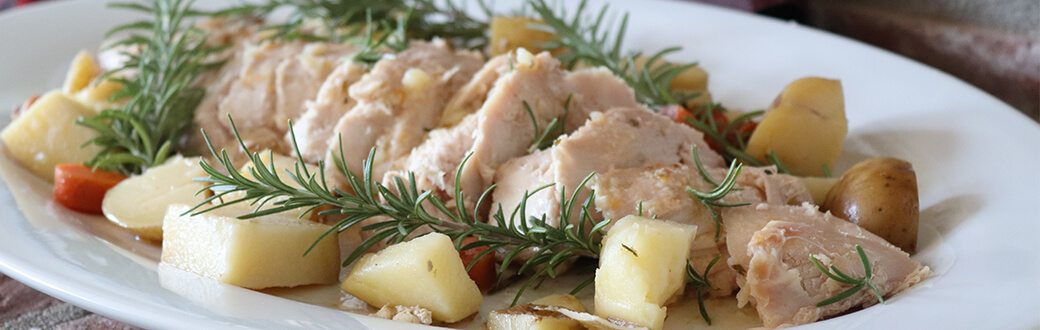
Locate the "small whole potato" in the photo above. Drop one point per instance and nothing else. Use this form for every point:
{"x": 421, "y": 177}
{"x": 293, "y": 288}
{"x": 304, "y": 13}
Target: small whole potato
{"x": 880, "y": 195}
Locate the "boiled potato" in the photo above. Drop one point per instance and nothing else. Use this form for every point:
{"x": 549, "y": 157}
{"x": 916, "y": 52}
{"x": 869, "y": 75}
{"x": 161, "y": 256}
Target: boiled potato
{"x": 281, "y": 163}
{"x": 805, "y": 127}
{"x": 818, "y": 187}
{"x": 139, "y": 203}
{"x": 82, "y": 71}
{"x": 509, "y": 33}
{"x": 880, "y": 195}
{"x": 642, "y": 267}
{"x": 530, "y": 317}
{"x": 262, "y": 252}
{"x": 561, "y": 300}
{"x": 46, "y": 134}
{"x": 702, "y": 99}
{"x": 426, "y": 272}
{"x": 97, "y": 95}
{"x": 693, "y": 79}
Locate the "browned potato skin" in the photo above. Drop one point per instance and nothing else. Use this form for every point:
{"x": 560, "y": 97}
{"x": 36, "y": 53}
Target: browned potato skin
{"x": 880, "y": 195}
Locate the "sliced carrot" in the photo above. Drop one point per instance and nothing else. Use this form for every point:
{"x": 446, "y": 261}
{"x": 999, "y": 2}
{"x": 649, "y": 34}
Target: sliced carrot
{"x": 676, "y": 112}
{"x": 81, "y": 188}
{"x": 483, "y": 272}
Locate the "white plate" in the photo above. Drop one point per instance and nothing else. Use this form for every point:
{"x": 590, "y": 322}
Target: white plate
{"x": 976, "y": 159}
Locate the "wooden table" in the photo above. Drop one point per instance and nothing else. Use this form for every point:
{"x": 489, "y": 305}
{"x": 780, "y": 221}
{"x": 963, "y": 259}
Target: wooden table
{"x": 21, "y": 307}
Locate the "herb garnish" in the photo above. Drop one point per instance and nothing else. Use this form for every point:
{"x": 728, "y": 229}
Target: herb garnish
{"x": 343, "y": 20}
{"x": 700, "y": 283}
{"x": 712, "y": 199}
{"x": 171, "y": 55}
{"x": 593, "y": 44}
{"x": 858, "y": 283}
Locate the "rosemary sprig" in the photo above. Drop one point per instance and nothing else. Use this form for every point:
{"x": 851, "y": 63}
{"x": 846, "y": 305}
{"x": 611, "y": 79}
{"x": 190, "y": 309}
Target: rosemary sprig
{"x": 380, "y": 36}
{"x": 858, "y": 283}
{"x": 343, "y": 20}
{"x": 161, "y": 95}
{"x": 329, "y": 20}
{"x": 586, "y": 39}
{"x": 406, "y": 209}
{"x": 700, "y": 283}
{"x": 712, "y": 199}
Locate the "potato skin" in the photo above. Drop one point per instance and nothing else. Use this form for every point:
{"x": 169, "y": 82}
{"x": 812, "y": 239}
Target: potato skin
{"x": 880, "y": 195}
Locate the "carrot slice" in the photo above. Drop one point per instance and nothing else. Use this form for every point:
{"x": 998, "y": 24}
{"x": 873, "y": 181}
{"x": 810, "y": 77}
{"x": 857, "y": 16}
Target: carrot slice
{"x": 676, "y": 112}
{"x": 483, "y": 272}
{"x": 81, "y": 188}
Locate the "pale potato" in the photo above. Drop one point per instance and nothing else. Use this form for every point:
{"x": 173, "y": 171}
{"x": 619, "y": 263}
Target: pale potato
{"x": 880, "y": 195}
{"x": 139, "y": 203}
{"x": 642, "y": 267}
{"x": 530, "y": 317}
{"x": 818, "y": 187}
{"x": 426, "y": 272}
{"x": 97, "y": 94}
{"x": 805, "y": 127}
{"x": 703, "y": 99}
{"x": 561, "y": 300}
{"x": 509, "y": 33}
{"x": 281, "y": 163}
{"x": 82, "y": 71}
{"x": 46, "y": 134}
{"x": 257, "y": 253}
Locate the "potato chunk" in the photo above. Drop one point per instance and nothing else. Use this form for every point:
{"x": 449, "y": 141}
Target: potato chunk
{"x": 425, "y": 272}
{"x": 510, "y": 33}
{"x": 139, "y": 203}
{"x": 805, "y": 126}
{"x": 82, "y": 71}
{"x": 642, "y": 267}
{"x": 47, "y": 135}
{"x": 258, "y": 253}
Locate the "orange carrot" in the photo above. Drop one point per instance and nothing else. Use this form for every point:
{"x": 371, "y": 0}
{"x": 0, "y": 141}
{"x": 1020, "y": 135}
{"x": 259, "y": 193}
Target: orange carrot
{"x": 676, "y": 112}
{"x": 484, "y": 271}
{"x": 81, "y": 188}
{"x": 743, "y": 132}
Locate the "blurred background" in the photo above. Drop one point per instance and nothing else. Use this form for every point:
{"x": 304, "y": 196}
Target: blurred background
{"x": 992, "y": 44}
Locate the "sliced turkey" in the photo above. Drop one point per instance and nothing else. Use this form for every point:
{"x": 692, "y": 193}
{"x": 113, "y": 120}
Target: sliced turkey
{"x": 617, "y": 139}
{"x": 398, "y": 102}
{"x": 786, "y": 286}
{"x": 315, "y": 127}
